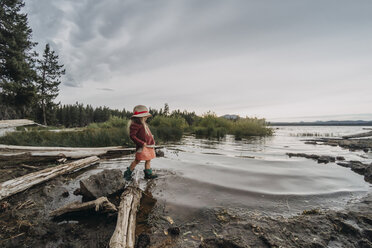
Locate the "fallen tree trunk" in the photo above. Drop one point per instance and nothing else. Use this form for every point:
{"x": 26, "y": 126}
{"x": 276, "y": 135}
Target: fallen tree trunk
{"x": 17, "y": 123}
{"x": 359, "y": 135}
{"x": 124, "y": 234}
{"x": 19, "y": 184}
{"x": 29, "y": 157}
{"x": 101, "y": 204}
{"x": 68, "y": 152}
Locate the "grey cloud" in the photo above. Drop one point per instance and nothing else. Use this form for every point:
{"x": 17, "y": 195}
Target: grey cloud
{"x": 289, "y": 48}
{"x": 161, "y": 33}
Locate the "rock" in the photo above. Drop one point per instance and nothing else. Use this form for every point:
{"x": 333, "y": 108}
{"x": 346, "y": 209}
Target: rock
{"x": 219, "y": 242}
{"x": 368, "y": 174}
{"x": 4, "y": 206}
{"x": 159, "y": 153}
{"x": 326, "y": 159}
{"x": 344, "y": 164}
{"x": 77, "y": 192}
{"x": 104, "y": 183}
{"x": 311, "y": 142}
{"x": 358, "y": 167}
{"x": 174, "y": 230}
{"x": 65, "y": 193}
{"x": 340, "y": 158}
{"x": 143, "y": 241}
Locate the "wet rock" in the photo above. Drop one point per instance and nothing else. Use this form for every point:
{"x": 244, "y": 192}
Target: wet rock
{"x": 326, "y": 159}
{"x": 218, "y": 243}
{"x": 65, "y": 193}
{"x": 304, "y": 155}
{"x": 174, "y": 230}
{"x": 321, "y": 159}
{"x": 368, "y": 174}
{"x": 104, "y": 183}
{"x": 143, "y": 241}
{"x": 4, "y": 206}
{"x": 340, "y": 158}
{"x": 364, "y": 244}
{"x": 351, "y": 144}
{"x": 159, "y": 153}
{"x": 77, "y": 191}
{"x": 355, "y": 166}
{"x": 312, "y": 211}
{"x": 311, "y": 142}
{"x": 358, "y": 167}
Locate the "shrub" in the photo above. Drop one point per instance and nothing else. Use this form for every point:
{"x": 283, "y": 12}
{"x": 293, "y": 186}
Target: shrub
{"x": 167, "y": 128}
{"x": 211, "y": 126}
{"x": 110, "y": 133}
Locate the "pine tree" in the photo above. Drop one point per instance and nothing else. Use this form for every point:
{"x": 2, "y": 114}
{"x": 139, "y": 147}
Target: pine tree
{"x": 17, "y": 72}
{"x": 49, "y": 75}
{"x": 166, "y": 109}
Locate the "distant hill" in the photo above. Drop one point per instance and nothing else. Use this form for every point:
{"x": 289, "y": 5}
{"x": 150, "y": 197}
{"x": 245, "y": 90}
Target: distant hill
{"x": 230, "y": 117}
{"x": 323, "y": 123}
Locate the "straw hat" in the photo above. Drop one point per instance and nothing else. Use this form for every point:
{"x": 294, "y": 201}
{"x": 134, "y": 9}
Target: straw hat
{"x": 140, "y": 111}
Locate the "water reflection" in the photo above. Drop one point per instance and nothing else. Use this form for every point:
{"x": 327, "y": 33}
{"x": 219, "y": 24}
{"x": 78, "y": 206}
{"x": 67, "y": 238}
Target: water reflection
{"x": 237, "y": 171}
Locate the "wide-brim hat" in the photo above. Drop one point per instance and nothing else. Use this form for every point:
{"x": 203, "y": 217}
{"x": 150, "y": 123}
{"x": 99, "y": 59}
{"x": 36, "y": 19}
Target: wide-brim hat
{"x": 140, "y": 111}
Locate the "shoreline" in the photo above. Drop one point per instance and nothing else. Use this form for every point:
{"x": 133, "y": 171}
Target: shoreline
{"x": 265, "y": 223}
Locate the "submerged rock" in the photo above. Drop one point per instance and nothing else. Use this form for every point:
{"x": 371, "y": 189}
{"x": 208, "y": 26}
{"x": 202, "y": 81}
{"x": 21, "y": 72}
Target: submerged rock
{"x": 159, "y": 153}
{"x": 360, "y": 168}
{"x": 321, "y": 159}
{"x": 340, "y": 158}
{"x": 104, "y": 183}
{"x": 351, "y": 144}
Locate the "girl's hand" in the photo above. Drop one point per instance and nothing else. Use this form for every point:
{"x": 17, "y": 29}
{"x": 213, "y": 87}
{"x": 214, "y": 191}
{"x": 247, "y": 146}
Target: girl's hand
{"x": 144, "y": 145}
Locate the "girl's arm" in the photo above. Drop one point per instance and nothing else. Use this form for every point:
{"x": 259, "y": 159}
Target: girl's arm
{"x": 133, "y": 131}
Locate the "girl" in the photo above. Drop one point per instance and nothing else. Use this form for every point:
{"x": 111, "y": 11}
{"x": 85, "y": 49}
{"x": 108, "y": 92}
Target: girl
{"x": 141, "y": 135}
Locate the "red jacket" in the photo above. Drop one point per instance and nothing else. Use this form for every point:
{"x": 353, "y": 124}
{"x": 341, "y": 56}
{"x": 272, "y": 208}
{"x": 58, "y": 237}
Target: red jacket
{"x": 138, "y": 135}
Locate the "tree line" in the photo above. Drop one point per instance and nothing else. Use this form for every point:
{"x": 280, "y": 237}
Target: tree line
{"x": 28, "y": 82}
{"x": 80, "y": 115}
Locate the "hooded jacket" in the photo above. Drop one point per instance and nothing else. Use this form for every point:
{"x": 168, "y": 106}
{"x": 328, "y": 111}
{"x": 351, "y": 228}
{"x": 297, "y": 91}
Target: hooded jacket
{"x": 139, "y": 137}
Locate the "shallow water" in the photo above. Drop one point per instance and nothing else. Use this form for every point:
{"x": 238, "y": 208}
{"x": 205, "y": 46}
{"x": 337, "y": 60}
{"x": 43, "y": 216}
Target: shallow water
{"x": 254, "y": 173}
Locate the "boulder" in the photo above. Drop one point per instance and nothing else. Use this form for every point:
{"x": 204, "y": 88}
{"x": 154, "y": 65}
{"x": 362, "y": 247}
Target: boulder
{"x": 104, "y": 183}
{"x": 326, "y": 159}
{"x": 368, "y": 173}
{"x": 159, "y": 153}
{"x": 340, "y": 158}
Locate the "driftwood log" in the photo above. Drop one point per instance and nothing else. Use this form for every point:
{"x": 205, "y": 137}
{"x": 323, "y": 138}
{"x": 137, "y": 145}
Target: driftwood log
{"x": 124, "y": 234}
{"x": 11, "y": 151}
{"x": 17, "y": 123}
{"x": 29, "y": 157}
{"x": 101, "y": 204}
{"x": 22, "y": 183}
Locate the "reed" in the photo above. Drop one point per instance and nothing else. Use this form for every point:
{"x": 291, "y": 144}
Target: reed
{"x": 166, "y": 128}
{"x": 110, "y": 133}
{"x": 114, "y": 132}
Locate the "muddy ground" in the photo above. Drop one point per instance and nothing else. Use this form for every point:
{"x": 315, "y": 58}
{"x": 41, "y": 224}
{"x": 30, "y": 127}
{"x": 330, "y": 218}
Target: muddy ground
{"x": 25, "y": 221}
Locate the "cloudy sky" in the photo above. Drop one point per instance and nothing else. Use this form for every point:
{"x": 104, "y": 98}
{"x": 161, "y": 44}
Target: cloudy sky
{"x": 282, "y": 60}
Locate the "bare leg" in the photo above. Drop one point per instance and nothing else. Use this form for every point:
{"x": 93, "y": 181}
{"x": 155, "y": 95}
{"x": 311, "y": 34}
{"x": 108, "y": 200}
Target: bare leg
{"x": 133, "y": 164}
{"x": 147, "y": 164}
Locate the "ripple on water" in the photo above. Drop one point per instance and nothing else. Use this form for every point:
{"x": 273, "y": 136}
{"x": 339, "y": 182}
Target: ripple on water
{"x": 245, "y": 172}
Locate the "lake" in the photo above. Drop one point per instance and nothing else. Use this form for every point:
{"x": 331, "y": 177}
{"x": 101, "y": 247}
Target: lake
{"x": 254, "y": 173}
